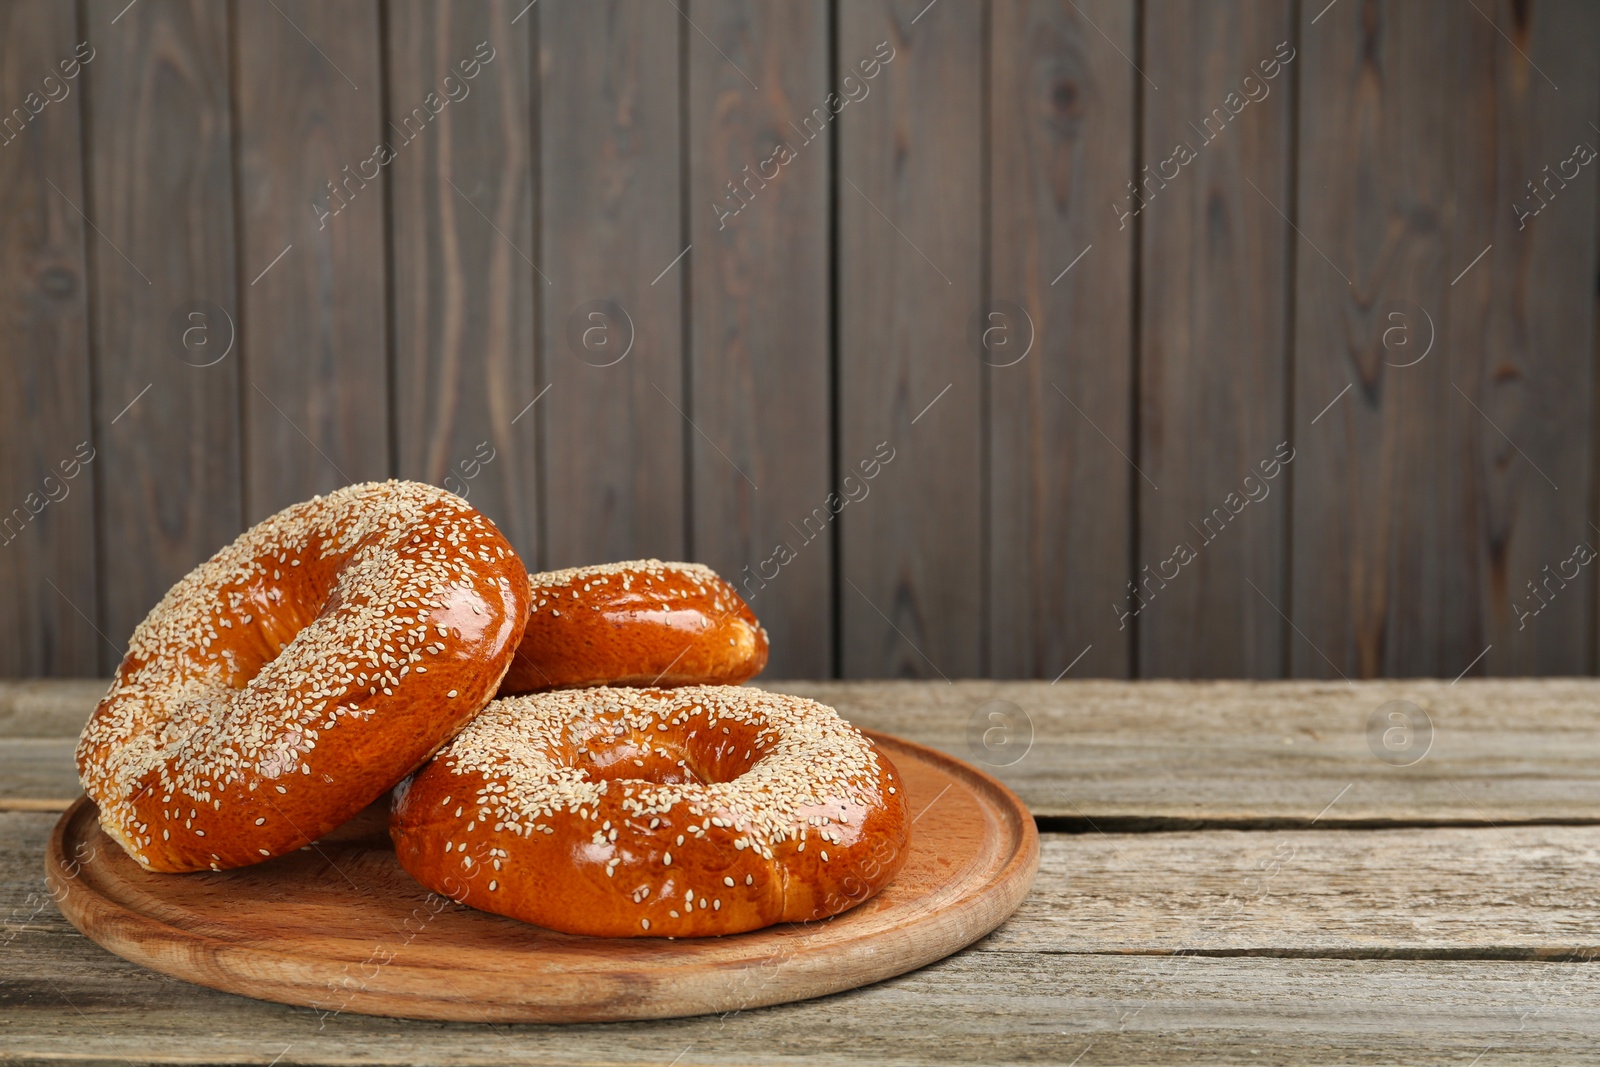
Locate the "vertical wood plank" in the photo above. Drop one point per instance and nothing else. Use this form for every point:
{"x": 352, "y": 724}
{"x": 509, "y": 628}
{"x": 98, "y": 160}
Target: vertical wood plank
{"x": 47, "y": 497}
{"x": 759, "y": 371}
{"x": 910, "y": 252}
{"x": 1062, "y": 148}
{"x": 1534, "y": 334}
{"x": 612, "y": 345}
{"x": 313, "y": 254}
{"x": 465, "y": 281}
{"x": 161, "y": 198}
{"x": 1213, "y": 337}
{"x": 1439, "y": 487}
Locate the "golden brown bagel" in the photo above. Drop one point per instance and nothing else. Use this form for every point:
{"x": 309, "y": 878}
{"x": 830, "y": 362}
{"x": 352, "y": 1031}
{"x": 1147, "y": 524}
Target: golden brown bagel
{"x": 655, "y": 812}
{"x": 643, "y": 622}
{"x": 287, "y": 682}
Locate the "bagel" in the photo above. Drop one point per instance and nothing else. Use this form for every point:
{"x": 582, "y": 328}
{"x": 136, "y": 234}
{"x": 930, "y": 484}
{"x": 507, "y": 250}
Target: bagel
{"x": 643, "y": 622}
{"x": 655, "y": 812}
{"x": 291, "y": 679}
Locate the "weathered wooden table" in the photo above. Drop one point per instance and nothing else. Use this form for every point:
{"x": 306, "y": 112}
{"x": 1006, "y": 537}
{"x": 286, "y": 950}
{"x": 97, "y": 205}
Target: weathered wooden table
{"x": 1274, "y": 872}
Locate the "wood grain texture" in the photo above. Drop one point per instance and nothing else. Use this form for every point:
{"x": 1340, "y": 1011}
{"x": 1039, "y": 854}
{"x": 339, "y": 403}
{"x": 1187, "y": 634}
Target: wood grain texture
{"x": 1127, "y": 948}
{"x": 1213, "y": 333}
{"x": 614, "y": 432}
{"x": 342, "y": 927}
{"x": 161, "y": 200}
{"x": 57, "y": 707}
{"x": 760, "y": 377}
{"x": 1148, "y": 754}
{"x": 1431, "y": 495}
{"x": 976, "y": 1007}
{"x": 1426, "y": 150}
{"x": 910, "y": 261}
{"x": 46, "y": 517}
{"x": 466, "y": 283}
{"x": 314, "y": 322}
{"x": 1494, "y": 893}
{"x": 1175, "y": 754}
{"x": 38, "y": 773}
{"x": 1061, "y": 114}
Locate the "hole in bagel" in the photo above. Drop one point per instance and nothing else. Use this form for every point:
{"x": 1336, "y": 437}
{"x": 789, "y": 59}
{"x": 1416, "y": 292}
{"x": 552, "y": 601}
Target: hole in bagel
{"x": 276, "y": 618}
{"x": 615, "y": 754}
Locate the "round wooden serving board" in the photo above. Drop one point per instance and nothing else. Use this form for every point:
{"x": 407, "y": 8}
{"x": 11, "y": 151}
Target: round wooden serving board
{"x": 339, "y": 926}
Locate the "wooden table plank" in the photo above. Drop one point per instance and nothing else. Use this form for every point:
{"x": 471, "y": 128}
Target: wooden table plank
{"x": 1439, "y": 502}
{"x": 1499, "y": 893}
{"x": 1213, "y": 311}
{"x": 47, "y": 490}
{"x": 81, "y": 1005}
{"x": 55, "y": 707}
{"x": 1061, "y": 114}
{"x": 760, "y": 377}
{"x": 1523, "y": 893}
{"x": 38, "y": 773}
{"x": 1160, "y": 754}
{"x": 466, "y": 290}
{"x": 1171, "y": 754}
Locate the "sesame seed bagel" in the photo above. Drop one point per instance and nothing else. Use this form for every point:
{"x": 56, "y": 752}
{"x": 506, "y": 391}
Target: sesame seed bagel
{"x": 291, "y": 679}
{"x": 655, "y": 812}
{"x": 643, "y": 622}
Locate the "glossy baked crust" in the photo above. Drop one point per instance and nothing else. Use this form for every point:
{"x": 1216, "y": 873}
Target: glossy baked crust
{"x": 287, "y": 682}
{"x": 642, "y": 622}
{"x": 655, "y": 812}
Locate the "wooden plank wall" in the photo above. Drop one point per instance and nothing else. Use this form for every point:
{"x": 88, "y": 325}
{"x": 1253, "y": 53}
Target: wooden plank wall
{"x": 970, "y": 338}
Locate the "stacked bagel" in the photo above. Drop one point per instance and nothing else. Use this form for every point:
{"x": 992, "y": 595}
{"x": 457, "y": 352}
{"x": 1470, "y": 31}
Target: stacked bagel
{"x": 571, "y": 748}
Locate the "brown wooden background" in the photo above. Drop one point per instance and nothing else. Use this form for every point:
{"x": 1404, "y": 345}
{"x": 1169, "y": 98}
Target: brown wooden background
{"x": 1371, "y": 202}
